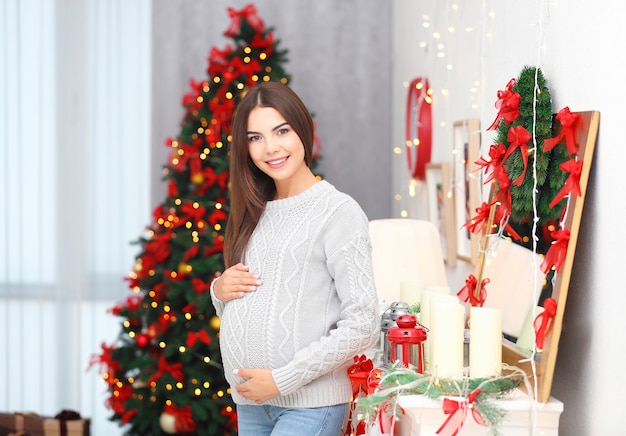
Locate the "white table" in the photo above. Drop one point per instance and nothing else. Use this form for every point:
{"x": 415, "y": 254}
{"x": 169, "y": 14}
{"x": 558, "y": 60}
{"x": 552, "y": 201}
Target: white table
{"x": 423, "y": 416}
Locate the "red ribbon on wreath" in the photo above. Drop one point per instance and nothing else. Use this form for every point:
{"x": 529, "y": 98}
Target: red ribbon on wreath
{"x": 496, "y": 160}
{"x": 557, "y": 251}
{"x": 519, "y": 137}
{"x": 467, "y": 293}
{"x": 568, "y": 121}
{"x": 456, "y": 409}
{"x": 507, "y": 105}
{"x": 476, "y": 223}
{"x": 418, "y": 125}
{"x": 572, "y": 184}
{"x": 544, "y": 321}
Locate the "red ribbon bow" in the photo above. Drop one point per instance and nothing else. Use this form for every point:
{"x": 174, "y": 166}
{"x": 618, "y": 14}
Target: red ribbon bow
{"x": 507, "y": 105}
{"x": 456, "y": 409}
{"x": 183, "y": 418}
{"x": 193, "y": 337}
{"x": 250, "y": 14}
{"x": 569, "y": 121}
{"x": 557, "y": 251}
{"x": 192, "y": 211}
{"x": 496, "y": 159}
{"x": 200, "y": 286}
{"x": 476, "y": 223}
{"x": 544, "y": 321}
{"x": 467, "y": 293}
{"x": 175, "y": 370}
{"x": 503, "y": 195}
{"x": 572, "y": 184}
{"x": 231, "y": 415}
{"x": 519, "y": 137}
{"x": 106, "y": 362}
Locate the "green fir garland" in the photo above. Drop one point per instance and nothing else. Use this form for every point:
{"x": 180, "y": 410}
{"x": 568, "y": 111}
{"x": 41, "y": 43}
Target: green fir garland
{"x": 536, "y": 116}
{"x": 398, "y": 380}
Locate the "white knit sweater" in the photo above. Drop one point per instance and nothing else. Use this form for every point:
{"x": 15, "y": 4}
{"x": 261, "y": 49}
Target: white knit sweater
{"x": 317, "y": 307}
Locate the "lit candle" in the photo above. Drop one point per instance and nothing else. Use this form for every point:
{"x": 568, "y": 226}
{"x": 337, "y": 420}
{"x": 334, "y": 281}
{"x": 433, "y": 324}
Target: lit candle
{"x": 447, "y": 319}
{"x": 485, "y": 342}
{"x": 410, "y": 292}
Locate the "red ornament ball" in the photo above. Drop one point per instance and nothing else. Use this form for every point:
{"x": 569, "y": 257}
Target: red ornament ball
{"x": 142, "y": 340}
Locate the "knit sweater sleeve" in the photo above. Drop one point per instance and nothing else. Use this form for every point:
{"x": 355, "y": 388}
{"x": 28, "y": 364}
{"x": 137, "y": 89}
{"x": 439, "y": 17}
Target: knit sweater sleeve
{"x": 348, "y": 249}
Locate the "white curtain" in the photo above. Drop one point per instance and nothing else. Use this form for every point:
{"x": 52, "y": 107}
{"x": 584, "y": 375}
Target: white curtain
{"x": 75, "y": 79}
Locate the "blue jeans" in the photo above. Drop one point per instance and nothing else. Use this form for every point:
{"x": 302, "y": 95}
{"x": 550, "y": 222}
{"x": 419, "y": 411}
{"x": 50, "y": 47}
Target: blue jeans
{"x": 281, "y": 421}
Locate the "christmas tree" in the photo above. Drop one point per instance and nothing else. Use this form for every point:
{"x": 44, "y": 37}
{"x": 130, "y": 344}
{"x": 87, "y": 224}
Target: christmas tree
{"x": 164, "y": 372}
{"x": 526, "y": 175}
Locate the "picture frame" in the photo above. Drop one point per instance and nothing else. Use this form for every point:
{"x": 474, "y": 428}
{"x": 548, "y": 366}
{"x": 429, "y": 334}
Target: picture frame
{"x": 466, "y": 185}
{"x": 440, "y": 199}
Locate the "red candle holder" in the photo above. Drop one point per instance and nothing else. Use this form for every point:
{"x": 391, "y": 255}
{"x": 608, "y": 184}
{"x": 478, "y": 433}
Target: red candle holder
{"x": 407, "y": 342}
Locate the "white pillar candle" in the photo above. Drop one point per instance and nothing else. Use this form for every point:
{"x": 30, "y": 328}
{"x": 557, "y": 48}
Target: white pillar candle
{"x": 447, "y": 319}
{"x": 485, "y": 342}
{"x": 526, "y": 339}
{"x": 424, "y": 317}
{"x": 410, "y": 292}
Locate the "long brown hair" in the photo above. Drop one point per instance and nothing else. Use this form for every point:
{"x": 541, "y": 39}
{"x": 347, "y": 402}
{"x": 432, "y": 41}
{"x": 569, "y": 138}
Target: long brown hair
{"x": 251, "y": 188}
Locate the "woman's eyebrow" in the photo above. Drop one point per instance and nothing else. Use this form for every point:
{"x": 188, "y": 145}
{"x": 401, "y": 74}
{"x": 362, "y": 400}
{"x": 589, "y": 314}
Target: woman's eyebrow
{"x": 252, "y": 132}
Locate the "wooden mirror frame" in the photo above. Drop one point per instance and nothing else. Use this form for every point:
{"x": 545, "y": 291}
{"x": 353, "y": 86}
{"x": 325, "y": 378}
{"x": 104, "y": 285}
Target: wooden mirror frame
{"x": 586, "y": 135}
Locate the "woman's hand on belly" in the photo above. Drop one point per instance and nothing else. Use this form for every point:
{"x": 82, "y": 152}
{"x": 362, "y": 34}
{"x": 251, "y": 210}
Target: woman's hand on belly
{"x": 235, "y": 282}
{"x": 259, "y": 386}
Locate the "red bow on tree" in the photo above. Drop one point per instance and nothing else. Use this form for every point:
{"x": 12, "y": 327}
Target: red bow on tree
{"x": 572, "y": 184}
{"x": 191, "y": 100}
{"x": 231, "y": 415}
{"x": 557, "y": 251}
{"x": 183, "y": 418}
{"x": 519, "y": 137}
{"x": 456, "y": 409}
{"x": 107, "y": 363}
{"x": 569, "y": 122}
{"x": 507, "y": 105}
{"x": 544, "y": 321}
{"x": 200, "y": 286}
{"x": 475, "y": 224}
{"x": 503, "y": 194}
{"x": 175, "y": 370}
{"x": 193, "y": 337}
{"x": 120, "y": 393}
{"x": 250, "y": 14}
{"x": 192, "y": 211}
{"x": 218, "y": 59}
{"x": 496, "y": 159}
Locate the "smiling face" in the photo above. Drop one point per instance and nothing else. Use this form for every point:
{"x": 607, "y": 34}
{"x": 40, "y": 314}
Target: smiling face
{"x": 277, "y": 150}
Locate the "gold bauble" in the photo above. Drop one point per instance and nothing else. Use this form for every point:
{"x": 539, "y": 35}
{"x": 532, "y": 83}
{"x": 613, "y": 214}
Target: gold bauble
{"x": 184, "y": 268}
{"x": 197, "y": 179}
{"x": 215, "y": 323}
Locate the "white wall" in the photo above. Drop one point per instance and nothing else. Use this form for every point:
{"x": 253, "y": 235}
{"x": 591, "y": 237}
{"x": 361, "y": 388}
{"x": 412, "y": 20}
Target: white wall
{"x": 577, "y": 44}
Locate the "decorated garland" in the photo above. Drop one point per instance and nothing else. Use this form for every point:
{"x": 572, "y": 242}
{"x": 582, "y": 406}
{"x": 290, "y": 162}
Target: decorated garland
{"x": 459, "y": 396}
